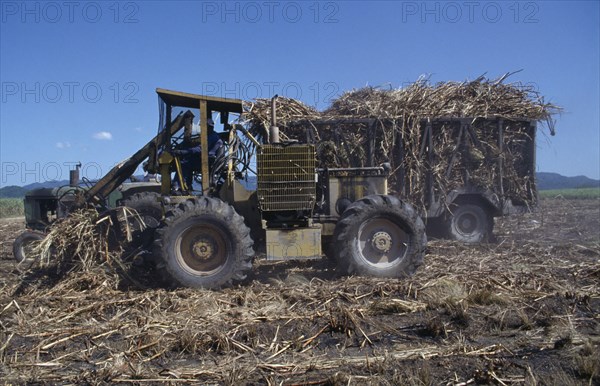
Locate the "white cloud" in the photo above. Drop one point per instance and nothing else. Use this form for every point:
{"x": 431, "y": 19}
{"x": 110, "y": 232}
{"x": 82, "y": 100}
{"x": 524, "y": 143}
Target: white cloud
{"x": 103, "y": 136}
{"x": 63, "y": 145}
{"x": 138, "y": 129}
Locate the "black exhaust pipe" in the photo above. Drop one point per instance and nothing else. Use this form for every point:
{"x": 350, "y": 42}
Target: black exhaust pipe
{"x": 74, "y": 176}
{"x": 274, "y": 130}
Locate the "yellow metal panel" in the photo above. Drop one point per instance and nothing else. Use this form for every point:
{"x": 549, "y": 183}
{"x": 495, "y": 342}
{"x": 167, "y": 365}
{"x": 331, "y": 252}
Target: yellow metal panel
{"x": 164, "y": 161}
{"x": 328, "y": 228}
{"x": 204, "y": 146}
{"x": 183, "y": 99}
{"x": 296, "y": 243}
{"x": 354, "y": 188}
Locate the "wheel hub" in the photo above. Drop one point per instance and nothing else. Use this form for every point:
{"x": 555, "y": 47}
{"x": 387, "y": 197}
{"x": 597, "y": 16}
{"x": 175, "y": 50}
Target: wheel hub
{"x": 203, "y": 249}
{"x": 467, "y": 223}
{"x": 382, "y": 242}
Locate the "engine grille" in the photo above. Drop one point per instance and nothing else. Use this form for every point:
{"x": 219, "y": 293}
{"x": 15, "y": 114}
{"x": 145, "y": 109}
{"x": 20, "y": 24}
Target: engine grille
{"x": 286, "y": 178}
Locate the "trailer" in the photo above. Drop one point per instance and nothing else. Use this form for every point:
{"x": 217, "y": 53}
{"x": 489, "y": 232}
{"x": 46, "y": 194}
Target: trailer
{"x": 488, "y": 172}
{"x": 460, "y": 172}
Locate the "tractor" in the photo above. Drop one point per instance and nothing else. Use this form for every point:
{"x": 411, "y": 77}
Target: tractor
{"x": 205, "y": 233}
{"x": 43, "y": 206}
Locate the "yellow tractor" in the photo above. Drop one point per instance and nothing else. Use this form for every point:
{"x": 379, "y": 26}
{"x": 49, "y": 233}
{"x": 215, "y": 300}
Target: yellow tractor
{"x": 208, "y": 240}
{"x": 210, "y": 216}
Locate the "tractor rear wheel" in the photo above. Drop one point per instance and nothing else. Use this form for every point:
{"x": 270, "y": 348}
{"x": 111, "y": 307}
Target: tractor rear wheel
{"x": 204, "y": 243}
{"x": 25, "y": 244}
{"x": 380, "y": 236}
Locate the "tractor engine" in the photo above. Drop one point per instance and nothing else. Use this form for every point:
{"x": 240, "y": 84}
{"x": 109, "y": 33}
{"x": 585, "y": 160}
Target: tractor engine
{"x": 287, "y": 196}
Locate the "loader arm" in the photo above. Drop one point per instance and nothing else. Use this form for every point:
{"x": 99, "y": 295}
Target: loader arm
{"x": 117, "y": 175}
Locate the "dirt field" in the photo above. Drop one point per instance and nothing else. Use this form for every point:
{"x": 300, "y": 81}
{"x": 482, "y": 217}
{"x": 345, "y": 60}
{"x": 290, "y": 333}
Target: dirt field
{"x": 523, "y": 310}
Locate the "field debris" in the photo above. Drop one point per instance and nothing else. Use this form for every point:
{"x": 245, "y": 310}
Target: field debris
{"x": 522, "y": 311}
{"x": 88, "y": 245}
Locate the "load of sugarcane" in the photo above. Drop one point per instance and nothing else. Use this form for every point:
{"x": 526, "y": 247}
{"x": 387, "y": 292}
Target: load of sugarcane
{"x": 372, "y": 125}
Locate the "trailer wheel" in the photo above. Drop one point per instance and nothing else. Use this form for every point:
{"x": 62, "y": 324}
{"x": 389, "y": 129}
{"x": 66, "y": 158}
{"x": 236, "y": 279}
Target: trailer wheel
{"x": 470, "y": 224}
{"x": 24, "y": 244}
{"x": 150, "y": 210}
{"x": 204, "y": 243}
{"x": 380, "y": 236}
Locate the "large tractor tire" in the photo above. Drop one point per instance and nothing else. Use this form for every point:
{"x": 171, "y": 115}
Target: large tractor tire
{"x": 150, "y": 211}
{"x": 380, "y": 236}
{"x": 24, "y": 244}
{"x": 470, "y": 224}
{"x": 204, "y": 243}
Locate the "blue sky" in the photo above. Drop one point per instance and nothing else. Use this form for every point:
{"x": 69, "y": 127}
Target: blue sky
{"x": 78, "y": 78}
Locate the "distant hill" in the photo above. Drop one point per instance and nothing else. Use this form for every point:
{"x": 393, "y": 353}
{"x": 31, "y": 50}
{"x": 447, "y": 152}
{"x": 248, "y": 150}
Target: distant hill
{"x": 547, "y": 181}
{"x": 48, "y": 184}
{"x": 12, "y": 192}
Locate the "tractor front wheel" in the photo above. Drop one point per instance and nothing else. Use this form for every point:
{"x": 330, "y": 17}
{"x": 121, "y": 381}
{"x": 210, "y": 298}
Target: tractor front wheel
{"x": 380, "y": 236}
{"x": 204, "y": 243}
{"x": 149, "y": 208}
